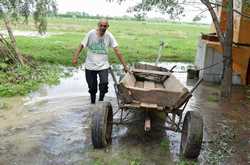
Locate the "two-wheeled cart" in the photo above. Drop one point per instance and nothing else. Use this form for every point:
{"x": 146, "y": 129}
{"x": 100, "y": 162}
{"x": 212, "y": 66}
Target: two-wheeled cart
{"x": 150, "y": 88}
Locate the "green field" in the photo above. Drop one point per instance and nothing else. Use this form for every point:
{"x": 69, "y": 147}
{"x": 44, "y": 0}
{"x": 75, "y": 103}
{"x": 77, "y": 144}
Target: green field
{"x": 138, "y": 41}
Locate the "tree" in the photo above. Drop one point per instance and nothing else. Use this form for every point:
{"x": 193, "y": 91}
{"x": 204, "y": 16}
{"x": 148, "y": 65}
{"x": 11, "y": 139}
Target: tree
{"x": 197, "y": 18}
{"x": 226, "y": 41}
{"x": 140, "y": 16}
{"x": 12, "y": 10}
{"x": 174, "y": 8}
{"x": 171, "y": 7}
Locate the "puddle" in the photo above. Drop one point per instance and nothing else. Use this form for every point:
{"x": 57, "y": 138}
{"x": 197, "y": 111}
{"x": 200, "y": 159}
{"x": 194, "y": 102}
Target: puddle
{"x": 52, "y": 126}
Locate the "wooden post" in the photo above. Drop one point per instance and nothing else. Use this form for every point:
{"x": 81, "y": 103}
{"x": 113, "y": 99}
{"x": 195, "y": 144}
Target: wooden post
{"x": 227, "y": 54}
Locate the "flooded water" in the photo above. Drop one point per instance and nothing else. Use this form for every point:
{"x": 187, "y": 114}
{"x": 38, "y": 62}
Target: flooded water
{"x": 52, "y": 127}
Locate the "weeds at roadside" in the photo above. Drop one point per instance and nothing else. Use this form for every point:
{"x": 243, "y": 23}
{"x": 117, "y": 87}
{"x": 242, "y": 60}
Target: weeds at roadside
{"x": 23, "y": 79}
{"x": 165, "y": 144}
{"x": 213, "y": 98}
{"x": 220, "y": 147}
{"x": 135, "y": 162}
{"x": 187, "y": 162}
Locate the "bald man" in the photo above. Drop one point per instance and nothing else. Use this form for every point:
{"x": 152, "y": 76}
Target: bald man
{"x": 98, "y": 41}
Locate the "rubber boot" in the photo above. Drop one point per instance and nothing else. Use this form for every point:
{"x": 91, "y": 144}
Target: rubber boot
{"x": 101, "y": 96}
{"x": 92, "y": 98}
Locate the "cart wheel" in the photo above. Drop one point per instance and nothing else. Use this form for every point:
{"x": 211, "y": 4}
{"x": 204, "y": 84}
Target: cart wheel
{"x": 101, "y": 128}
{"x": 192, "y": 134}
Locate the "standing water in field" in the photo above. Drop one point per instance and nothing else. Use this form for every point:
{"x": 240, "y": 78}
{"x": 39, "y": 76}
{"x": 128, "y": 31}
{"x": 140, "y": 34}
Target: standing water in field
{"x": 52, "y": 126}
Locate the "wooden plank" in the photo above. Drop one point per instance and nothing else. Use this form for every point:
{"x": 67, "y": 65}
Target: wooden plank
{"x": 151, "y": 72}
{"x": 155, "y": 96}
{"x": 142, "y": 106}
{"x": 167, "y": 95}
{"x": 148, "y": 77}
{"x": 159, "y": 85}
{"x": 139, "y": 84}
{"x": 149, "y": 85}
{"x": 149, "y": 67}
{"x": 174, "y": 85}
{"x": 124, "y": 93}
{"x": 147, "y": 105}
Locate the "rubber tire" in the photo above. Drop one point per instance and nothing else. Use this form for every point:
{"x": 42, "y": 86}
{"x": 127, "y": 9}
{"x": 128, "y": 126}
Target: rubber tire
{"x": 101, "y": 126}
{"x": 192, "y": 135}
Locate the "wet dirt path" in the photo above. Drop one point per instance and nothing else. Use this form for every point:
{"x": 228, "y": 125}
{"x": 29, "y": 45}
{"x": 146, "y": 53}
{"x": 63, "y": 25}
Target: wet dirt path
{"x": 52, "y": 127}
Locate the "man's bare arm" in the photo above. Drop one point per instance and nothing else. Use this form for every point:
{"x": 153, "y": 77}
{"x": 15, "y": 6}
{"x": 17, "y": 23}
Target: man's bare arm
{"x": 121, "y": 58}
{"x": 77, "y": 53}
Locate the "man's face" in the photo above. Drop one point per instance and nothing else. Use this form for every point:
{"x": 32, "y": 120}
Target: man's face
{"x": 103, "y": 26}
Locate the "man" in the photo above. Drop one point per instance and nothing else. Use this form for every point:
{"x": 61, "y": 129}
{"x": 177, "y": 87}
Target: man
{"x": 97, "y": 41}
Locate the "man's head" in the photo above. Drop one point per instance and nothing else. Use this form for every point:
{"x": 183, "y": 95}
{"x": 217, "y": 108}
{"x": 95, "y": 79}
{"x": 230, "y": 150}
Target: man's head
{"x": 103, "y": 26}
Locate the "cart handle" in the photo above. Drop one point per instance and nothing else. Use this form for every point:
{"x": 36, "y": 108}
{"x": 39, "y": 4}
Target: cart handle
{"x": 167, "y": 76}
{"x": 196, "y": 85}
{"x": 159, "y": 53}
{"x": 171, "y": 70}
{"x": 115, "y": 86}
{"x": 113, "y": 76}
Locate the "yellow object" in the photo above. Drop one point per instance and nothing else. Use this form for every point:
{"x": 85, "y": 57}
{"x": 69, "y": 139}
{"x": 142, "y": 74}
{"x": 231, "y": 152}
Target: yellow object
{"x": 241, "y": 53}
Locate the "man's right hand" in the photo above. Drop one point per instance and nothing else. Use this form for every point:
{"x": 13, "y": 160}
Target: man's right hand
{"x": 74, "y": 61}
{"x": 126, "y": 70}
{"x": 76, "y": 55}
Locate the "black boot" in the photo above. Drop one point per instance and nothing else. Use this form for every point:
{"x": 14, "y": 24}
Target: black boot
{"x": 92, "y": 98}
{"x": 101, "y": 96}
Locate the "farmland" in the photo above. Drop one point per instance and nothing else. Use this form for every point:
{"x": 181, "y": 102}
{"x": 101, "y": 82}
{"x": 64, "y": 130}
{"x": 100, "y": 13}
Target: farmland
{"x": 138, "y": 41}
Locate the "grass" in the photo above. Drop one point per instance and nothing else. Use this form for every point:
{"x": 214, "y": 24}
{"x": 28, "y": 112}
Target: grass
{"x": 138, "y": 41}
{"x": 212, "y": 98}
{"x": 187, "y": 162}
{"x": 165, "y": 144}
{"x": 135, "y": 162}
{"x": 22, "y": 80}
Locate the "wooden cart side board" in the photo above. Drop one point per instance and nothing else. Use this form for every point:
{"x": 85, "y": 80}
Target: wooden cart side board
{"x": 143, "y": 106}
{"x": 151, "y": 96}
{"x": 128, "y": 79}
{"x": 161, "y": 98}
{"x": 173, "y": 84}
{"x": 125, "y": 94}
{"x": 149, "y": 88}
{"x": 149, "y": 67}
{"x": 170, "y": 85}
{"x": 167, "y": 94}
{"x": 152, "y": 72}
{"x": 150, "y": 77}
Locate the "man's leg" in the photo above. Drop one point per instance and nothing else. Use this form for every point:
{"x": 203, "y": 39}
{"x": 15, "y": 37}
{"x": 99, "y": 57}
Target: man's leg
{"x": 103, "y": 85}
{"x": 91, "y": 78}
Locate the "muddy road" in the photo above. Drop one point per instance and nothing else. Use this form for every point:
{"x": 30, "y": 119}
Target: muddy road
{"x": 52, "y": 127}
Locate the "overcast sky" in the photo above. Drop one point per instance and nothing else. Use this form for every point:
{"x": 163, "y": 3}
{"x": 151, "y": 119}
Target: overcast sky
{"x": 104, "y": 8}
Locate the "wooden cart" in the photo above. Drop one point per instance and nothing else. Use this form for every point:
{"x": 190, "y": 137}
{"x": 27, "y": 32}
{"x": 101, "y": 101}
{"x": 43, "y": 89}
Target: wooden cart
{"x": 150, "y": 88}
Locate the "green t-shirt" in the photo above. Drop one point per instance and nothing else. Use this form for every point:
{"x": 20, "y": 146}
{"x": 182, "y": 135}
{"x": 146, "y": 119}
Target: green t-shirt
{"x": 97, "y": 54}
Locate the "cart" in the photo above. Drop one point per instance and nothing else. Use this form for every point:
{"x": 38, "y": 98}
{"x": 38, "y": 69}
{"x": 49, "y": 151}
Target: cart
{"x": 150, "y": 88}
